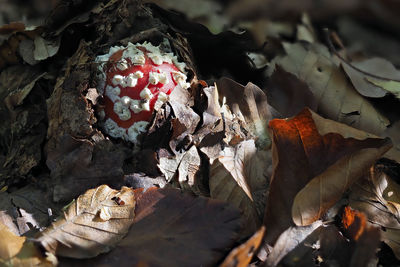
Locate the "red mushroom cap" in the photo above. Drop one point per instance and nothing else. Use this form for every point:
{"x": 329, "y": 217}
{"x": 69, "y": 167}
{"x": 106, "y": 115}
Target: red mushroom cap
{"x": 135, "y": 80}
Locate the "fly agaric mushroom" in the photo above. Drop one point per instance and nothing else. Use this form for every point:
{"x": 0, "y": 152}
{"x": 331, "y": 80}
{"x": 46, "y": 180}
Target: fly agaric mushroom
{"x": 134, "y": 81}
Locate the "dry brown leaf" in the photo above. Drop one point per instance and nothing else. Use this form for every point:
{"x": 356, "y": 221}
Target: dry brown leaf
{"x": 9, "y": 48}
{"x": 17, "y": 251}
{"x": 374, "y": 77}
{"x": 377, "y": 196}
{"x": 211, "y": 134}
{"x": 308, "y": 149}
{"x": 324, "y": 190}
{"x": 249, "y": 103}
{"x": 327, "y": 246}
{"x": 92, "y": 224}
{"x": 27, "y": 210}
{"x": 184, "y": 123}
{"x": 288, "y": 94}
{"x": 336, "y": 97}
{"x": 172, "y": 228}
{"x": 10, "y": 244}
{"x": 242, "y": 255}
{"x": 188, "y": 171}
{"x": 289, "y": 240}
{"x": 230, "y": 181}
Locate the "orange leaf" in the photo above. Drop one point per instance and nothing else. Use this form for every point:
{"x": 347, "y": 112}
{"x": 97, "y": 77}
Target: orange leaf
{"x": 353, "y": 222}
{"x": 315, "y": 161}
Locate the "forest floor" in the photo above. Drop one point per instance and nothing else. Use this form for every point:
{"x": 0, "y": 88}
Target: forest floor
{"x": 199, "y": 133}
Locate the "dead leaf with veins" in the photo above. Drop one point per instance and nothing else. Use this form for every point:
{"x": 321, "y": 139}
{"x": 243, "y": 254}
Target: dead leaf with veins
{"x": 172, "y": 228}
{"x": 289, "y": 240}
{"x": 92, "y": 224}
{"x": 315, "y": 161}
{"x": 233, "y": 178}
{"x": 249, "y": 103}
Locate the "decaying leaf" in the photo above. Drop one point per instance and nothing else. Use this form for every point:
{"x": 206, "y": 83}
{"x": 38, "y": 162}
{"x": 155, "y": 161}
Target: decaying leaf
{"x": 92, "y": 224}
{"x": 23, "y": 126}
{"x": 183, "y": 123}
{"x": 27, "y": 210}
{"x": 172, "y": 228}
{"x": 6, "y": 213}
{"x": 9, "y": 48}
{"x": 68, "y": 110}
{"x": 361, "y": 38}
{"x": 139, "y": 180}
{"x": 45, "y": 49}
{"x": 230, "y": 181}
{"x": 17, "y": 251}
{"x": 377, "y": 195}
{"x": 335, "y": 95}
{"x": 289, "y": 240}
{"x": 242, "y": 255}
{"x": 315, "y": 161}
{"x": 188, "y": 171}
{"x": 327, "y": 246}
{"x": 249, "y": 103}
{"x": 211, "y": 134}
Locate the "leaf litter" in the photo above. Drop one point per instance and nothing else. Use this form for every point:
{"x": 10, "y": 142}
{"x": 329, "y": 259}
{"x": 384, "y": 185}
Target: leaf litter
{"x": 278, "y": 171}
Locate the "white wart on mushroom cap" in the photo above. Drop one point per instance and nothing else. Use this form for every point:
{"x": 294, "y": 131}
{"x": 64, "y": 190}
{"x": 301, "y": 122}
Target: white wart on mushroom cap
{"x": 134, "y": 81}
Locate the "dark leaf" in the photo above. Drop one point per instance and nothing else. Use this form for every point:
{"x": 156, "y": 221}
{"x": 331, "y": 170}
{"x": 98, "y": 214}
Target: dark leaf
{"x": 174, "y": 229}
